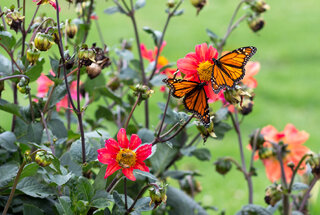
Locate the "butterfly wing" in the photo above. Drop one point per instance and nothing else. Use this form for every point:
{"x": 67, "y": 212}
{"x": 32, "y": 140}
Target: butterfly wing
{"x": 180, "y": 87}
{"x": 229, "y": 69}
{"x": 196, "y": 101}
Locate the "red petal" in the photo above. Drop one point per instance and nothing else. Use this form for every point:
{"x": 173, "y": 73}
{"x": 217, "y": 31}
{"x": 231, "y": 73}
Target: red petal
{"x": 122, "y": 138}
{"x": 294, "y": 136}
{"x": 142, "y": 166}
{"x": 112, "y": 146}
{"x": 272, "y": 169}
{"x": 105, "y": 157}
{"x": 143, "y": 152}
{"x": 187, "y": 65}
{"x": 111, "y": 169}
{"x": 201, "y": 51}
{"x": 135, "y": 141}
{"x": 128, "y": 172}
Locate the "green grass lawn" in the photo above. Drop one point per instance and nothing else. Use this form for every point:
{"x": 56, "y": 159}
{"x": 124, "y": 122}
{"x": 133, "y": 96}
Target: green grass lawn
{"x": 288, "y": 50}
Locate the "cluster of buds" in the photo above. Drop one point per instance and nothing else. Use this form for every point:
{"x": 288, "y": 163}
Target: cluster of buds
{"x": 43, "y": 41}
{"x": 255, "y": 21}
{"x": 273, "y": 194}
{"x": 43, "y": 158}
{"x": 71, "y": 29}
{"x": 223, "y": 165}
{"x": 27, "y": 156}
{"x": 86, "y": 55}
{"x": 171, "y": 3}
{"x": 206, "y": 132}
{"x": 13, "y": 18}
{"x": 142, "y": 90}
{"x": 33, "y": 54}
{"x": 158, "y": 194}
{"x": 190, "y": 185}
{"x": 101, "y": 61}
{"x": 198, "y": 4}
{"x": 241, "y": 99}
{"x": 23, "y": 86}
{"x": 314, "y": 162}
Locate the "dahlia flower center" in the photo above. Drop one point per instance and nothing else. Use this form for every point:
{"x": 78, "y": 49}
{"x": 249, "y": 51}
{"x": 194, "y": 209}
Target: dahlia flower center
{"x": 204, "y": 70}
{"x": 126, "y": 158}
{"x": 162, "y": 61}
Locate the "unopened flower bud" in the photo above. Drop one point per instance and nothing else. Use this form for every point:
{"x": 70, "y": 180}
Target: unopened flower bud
{"x": 314, "y": 162}
{"x": 260, "y": 140}
{"x": 206, "y": 132}
{"x": 22, "y": 86}
{"x": 71, "y": 29}
{"x": 198, "y": 4}
{"x": 43, "y": 41}
{"x": 171, "y": 3}
{"x": 114, "y": 83}
{"x": 143, "y": 90}
{"x": 33, "y": 55}
{"x": 273, "y": 194}
{"x": 158, "y": 195}
{"x": 256, "y": 23}
{"x": 93, "y": 70}
{"x": 290, "y": 164}
{"x": 27, "y": 156}
{"x": 259, "y": 6}
{"x": 223, "y": 166}
{"x": 190, "y": 185}
{"x": 43, "y": 158}
{"x": 13, "y": 18}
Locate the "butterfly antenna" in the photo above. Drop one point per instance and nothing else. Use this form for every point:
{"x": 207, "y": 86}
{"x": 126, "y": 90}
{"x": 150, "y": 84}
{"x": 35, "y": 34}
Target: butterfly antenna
{"x": 175, "y": 73}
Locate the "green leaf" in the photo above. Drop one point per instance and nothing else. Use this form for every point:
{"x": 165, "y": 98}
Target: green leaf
{"x": 29, "y": 170}
{"x": 221, "y": 114}
{"x": 100, "y": 203}
{"x": 9, "y": 107}
{"x": 57, "y": 127}
{"x": 5, "y": 66}
{"x": 146, "y": 135}
{"x": 127, "y": 74}
{"x": 162, "y": 158}
{"x": 113, "y": 9}
{"x": 58, "y": 93}
{"x": 119, "y": 199}
{"x": 108, "y": 93}
{"x": 221, "y": 128}
{"x": 7, "y": 141}
{"x": 91, "y": 150}
{"x": 31, "y": 209}
{"x": 34, "y": 72}
{"x": 91, "y": 84}
{"x": 82, "y": 28}
{"x": 143, "y": 205}
{"x": 84, "y": 189}
{"x": 157, "y": 80}
{"x": 145, "y": 174}
{"x": 7, "y": 39}
{"x": 179, "y": 12}
{"x": 8, "y": 172}
{"x": 171, "y": 116}
{"x": 67, "y": 161}
{"x": 105, "y": 113}
{"x": 32, "y": 187}
{"x": 54, "y": 63}
{"x": 202, "y": 154}
{"x": 213, "y": 37}
{"x": 99, "y": 181}
{"x": 58, "y": 179}
{"x": 298, "y": 186}
{"x": 33, "y": 133}
{"x": 139, "y": 4}
{"x": 64, "y": 206}
{"x": 296, "y": 213}
{"x": 252, "y": 209}
{"x": 156, "y": 35}
{"x": 181, "y": 203}
{"x": 179, "y": 174}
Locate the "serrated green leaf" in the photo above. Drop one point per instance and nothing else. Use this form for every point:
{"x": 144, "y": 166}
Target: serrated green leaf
{"x": 202, "y": 154}
{"x": 146, "y": 135}
{"x": 29, "y": 170}
{"x": 84, "y": 189}
{"x": 57, "y": 127}
{"x": 34, "y": 72}
{"x": 7, "y": 141}
{"x": 108, "y": 93}
{"x": 143, "y": 204}
{"x": 221, "y": 128}
{"x": 32, "y": 187}
{"x": 9, "y": 107}
{"x": 7, "y": 39}
{"x": 31, "y": 209}
{"x": 58, "y": 179}
{"x": 105, "y": 113}
{"x": 99, "y": 203}
{"x": 5, "y": 66}
{"x": 162, "y": 158}
{"x": 64, "y": 206}
{"x": 91, "y": 147}
{"x": 145, "y": 174}
{"x": 99, "y": 181}
{"x": 8, "y": 172}
{"x": 58, "y": 93}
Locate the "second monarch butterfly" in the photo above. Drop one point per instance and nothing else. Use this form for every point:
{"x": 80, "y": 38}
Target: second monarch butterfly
{"x": 195, "y": 99}
{"x": 229, "y": 69}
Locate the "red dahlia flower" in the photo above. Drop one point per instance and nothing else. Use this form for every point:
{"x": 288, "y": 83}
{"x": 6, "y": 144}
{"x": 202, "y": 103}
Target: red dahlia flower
{"x": 124, "y": 155}
{"x": 294, "y": 139}
{"x": 197, "y": 66}
{"x": 51, "y": 2}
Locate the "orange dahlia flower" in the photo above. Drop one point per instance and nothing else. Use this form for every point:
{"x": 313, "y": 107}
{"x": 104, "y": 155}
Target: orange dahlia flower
{"x": 252, "y": 68}
{"x": 124, "y": 155}
{"x": 294, "y": 151}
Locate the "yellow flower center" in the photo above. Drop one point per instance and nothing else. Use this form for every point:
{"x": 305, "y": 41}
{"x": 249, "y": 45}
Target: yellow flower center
{"x": 205, "y": 70}
{"x": 126, "y": 158}
{"x": 162, "y": 61}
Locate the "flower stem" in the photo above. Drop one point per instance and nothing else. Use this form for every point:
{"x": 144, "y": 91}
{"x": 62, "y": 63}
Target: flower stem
{"x": 125, "y": 193}
{"x": 164, "y": 114}
{"x": 132, "y": 110}
{"x": 99, "y": 32}
{"x": 34, "y": 15}
{"x": 235, "y": 122}
{"x": 31, "y": 107}
{"x": 114, "y": 182}
{"x": 15, "y": 183}
{"x": 14, "y": 76}
{"x": 3, "y": 21}
{"x": 138, "y": 197}
{"x": 295, "y": 172}
{"x": 306, "y": 195}
{"x": 88, "y": 21}
{"x": 12, "y": 59}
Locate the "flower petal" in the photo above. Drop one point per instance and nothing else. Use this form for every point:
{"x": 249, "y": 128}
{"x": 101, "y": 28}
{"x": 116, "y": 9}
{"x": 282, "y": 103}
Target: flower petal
{"x": 273, "y": 170}
{"x": 144, "y": 151}
{"x": 111, "y": 169}
{"x": 201, "y": 51}
{"x": 128, "y": 172}
{"x": 135, "y": 141}
{"x": 141, "y": 166}
{"x": 188, "y": 64}
{"x": 112, "y": 146}
{"x": 294, "y": 136}
{"x": 122, "y": 138}
{"x": 105, "y": 157}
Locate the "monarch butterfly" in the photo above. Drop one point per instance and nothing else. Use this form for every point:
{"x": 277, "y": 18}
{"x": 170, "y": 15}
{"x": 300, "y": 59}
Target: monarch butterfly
{"x": 229, "y": 69}
{"x": 195, "y": 99}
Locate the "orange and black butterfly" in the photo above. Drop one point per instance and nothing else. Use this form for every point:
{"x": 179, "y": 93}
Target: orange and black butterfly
{"x": 229, "y": 69}
{"x": 195, "y": 99}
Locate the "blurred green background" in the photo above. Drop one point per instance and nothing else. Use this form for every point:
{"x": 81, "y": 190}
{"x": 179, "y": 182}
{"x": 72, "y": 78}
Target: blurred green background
{"x": 288, "y": 50}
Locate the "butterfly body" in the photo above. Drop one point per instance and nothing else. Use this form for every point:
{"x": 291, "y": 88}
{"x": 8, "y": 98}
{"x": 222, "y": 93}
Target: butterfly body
{"x": 194, "y": 97}
{"x": 230, "y": 68}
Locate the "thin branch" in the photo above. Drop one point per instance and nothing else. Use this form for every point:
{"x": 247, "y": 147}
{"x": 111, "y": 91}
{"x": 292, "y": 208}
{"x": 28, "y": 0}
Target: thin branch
{"x": 3, "y": 21}
{"x": 14, "y": 76}
{"x": 138, "y": 197}
{"x": 31, "y": 107}
{"x": 88, "y": 22}
{"x": 114, "y": 182}
{"x": 164, "y": 114}
{"x": 12, "y": 58}
{"x": 296, "y": 171}
{"x": 132, "y": 110}
{"x": 125, "y": 193}
{"x": 307, "y": 193}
